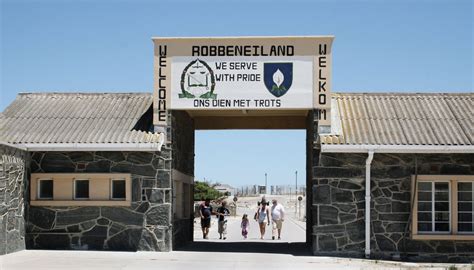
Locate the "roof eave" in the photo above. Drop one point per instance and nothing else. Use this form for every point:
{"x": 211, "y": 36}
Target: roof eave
{"x": 91, "y": 146}
{"x": 405, "y": 149}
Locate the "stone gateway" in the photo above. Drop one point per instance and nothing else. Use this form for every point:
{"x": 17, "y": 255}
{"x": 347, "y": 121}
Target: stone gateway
{"x": 390, "y": 176}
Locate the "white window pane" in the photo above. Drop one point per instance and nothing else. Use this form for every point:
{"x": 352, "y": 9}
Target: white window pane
{"x": 118, "y": 189}
{"x": 424, "y": 226}
{"x": 442, "y": 196}
{"x": 424, "y": 196}
{"x": 464, "y": 186}
{"x": 465, "y": 227}
{"x": 424, "y": 186}
{"x": 441, "y": 206}
{"x": 465, "y": 206}
{"x": 442, "y": 216}
{"x": 466, "y": 217}
{"x": 82, "y": 189}
{"x": 425, "y": 216}
{"x": 441, "y": 186}
{"x": 465, "y": 196}
{"x": 442, "y": 227}
{"x": 46, "y": 189}
{"x": 424, "y": 206}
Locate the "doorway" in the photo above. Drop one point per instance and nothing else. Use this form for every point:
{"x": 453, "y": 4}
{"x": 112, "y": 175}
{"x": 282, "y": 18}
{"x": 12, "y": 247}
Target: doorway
{"x": 233, "y": 154}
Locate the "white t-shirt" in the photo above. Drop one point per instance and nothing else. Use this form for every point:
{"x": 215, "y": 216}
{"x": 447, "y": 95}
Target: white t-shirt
{"x": 278, "y": 212}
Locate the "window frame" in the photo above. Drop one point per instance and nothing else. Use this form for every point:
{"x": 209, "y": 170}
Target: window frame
{"x": 88, "y": 189}
{"x": 453, "y": 234}
{"x": 433, "y": 207}
{"x": 99, "y": 189}
{"x": 472, "y": 202}
{"x": 38, "y": 188}
{"x": 112, "y": 189}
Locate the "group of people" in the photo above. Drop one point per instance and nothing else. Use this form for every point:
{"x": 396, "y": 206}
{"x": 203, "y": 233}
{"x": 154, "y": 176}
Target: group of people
{"x": 263, "y": 215}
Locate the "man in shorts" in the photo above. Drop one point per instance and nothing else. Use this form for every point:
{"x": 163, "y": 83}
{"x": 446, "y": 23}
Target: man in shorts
{"x": 278, "y": 216}
{"x": 222, "y": 212}
{"x": 206, "y": 212}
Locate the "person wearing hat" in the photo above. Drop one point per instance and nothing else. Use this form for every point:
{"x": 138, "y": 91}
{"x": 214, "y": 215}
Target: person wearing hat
{"x": 262, "y": 213}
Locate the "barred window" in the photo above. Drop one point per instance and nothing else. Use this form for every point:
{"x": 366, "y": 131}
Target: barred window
{"x": 443, "y": 207}
{"x": 45, "y": 189}
{"x": 465, "y": 206}
{"x": 80, "y": 189}
{"x": 433, "y": 207}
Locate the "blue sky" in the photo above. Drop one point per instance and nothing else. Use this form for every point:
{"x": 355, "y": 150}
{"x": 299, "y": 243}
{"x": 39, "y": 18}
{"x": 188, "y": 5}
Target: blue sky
{"x": 105, "y": 46}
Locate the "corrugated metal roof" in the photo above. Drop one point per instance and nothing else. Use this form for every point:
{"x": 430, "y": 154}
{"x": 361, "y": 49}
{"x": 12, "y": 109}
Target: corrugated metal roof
{"x": 46, "y": 118}
{"x": 403, "y": 119}
{"x": 365, "y": 119}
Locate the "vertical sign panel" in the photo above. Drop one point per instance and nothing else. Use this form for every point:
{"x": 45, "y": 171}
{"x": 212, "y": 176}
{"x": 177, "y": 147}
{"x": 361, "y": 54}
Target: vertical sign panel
{"x": 322, "y": 86}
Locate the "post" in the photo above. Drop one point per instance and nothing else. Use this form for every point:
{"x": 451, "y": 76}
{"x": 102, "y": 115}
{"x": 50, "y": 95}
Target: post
{"x": 299, "y": 211}
{"x": 296, "y": 191}
{"x": 368, "y": 162}
{"x": 296, "y": 184}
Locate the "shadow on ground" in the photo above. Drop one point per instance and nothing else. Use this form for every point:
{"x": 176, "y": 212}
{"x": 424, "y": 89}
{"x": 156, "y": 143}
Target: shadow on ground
{"x": 296, "y": 249}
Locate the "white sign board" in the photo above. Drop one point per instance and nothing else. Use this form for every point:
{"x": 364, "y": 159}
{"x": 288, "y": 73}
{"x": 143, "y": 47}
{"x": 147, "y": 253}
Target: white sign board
{"x": 240, "y": 82}
{"x": 242, "y": 73}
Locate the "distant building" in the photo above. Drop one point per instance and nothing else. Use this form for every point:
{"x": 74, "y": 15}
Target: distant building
{"x": 226, "y": 189}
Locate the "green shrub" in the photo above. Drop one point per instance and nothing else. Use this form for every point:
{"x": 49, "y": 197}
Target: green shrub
{"x": 203, "y": 190}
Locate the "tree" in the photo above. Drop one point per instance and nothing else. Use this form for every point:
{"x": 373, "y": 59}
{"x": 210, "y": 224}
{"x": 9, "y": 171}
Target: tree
{"x": 202, "y": 190}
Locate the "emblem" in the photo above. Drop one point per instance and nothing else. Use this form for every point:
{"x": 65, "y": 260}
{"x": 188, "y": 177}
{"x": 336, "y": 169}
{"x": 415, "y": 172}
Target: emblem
{"x": 197, "y": 81}
{"x": 278, "y": 77}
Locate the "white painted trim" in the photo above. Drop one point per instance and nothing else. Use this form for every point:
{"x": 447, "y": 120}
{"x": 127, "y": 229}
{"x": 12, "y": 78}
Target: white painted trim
{"x": 91, "y": 146}
{"x": 368, "y": 162}
{"x": 13, "y": 145}
{"x": 420, "y": 149}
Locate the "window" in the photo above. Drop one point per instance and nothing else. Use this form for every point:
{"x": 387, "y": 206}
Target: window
{"x": 465, "y": 207}
{"x": 45, "y": 189}
{"x": 118, "y": 189}
{"x": 444, "y": 207}
{"x": 433, "y": 207}
{"x": 81, "y": 189}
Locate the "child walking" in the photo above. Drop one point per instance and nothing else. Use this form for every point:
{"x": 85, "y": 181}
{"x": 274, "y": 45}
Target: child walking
{"x": 245, "y": 226}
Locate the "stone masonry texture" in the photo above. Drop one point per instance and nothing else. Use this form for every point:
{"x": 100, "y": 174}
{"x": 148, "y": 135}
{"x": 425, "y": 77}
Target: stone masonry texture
{"x": 338, "y": 205}
{"x": 183, "y": 161}
{"x": 13, "y": 168}
{"x": 145, "y": 226}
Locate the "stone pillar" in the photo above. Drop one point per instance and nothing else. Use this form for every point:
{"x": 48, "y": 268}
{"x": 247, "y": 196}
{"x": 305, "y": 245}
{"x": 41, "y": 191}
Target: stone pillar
{"x": 182, "y": 137}
{"x": 338, "y": 204}
{"x": 13, "y": 167}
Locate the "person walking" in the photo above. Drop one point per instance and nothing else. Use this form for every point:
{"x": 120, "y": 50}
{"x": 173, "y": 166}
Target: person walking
{"x": 278, "y": 216}
{"x": 205, "y": 211}
{"x": 262, "y": 214}
{"x": 245, "y": 226}
{"x": 222, "y": 212}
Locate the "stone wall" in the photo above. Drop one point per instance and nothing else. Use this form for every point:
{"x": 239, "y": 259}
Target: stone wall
{"x": 182, "y": 134}
{"x": 339, "y": 206}
{"x": 146, "y": 225}
{"x": 13, "y": 169}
